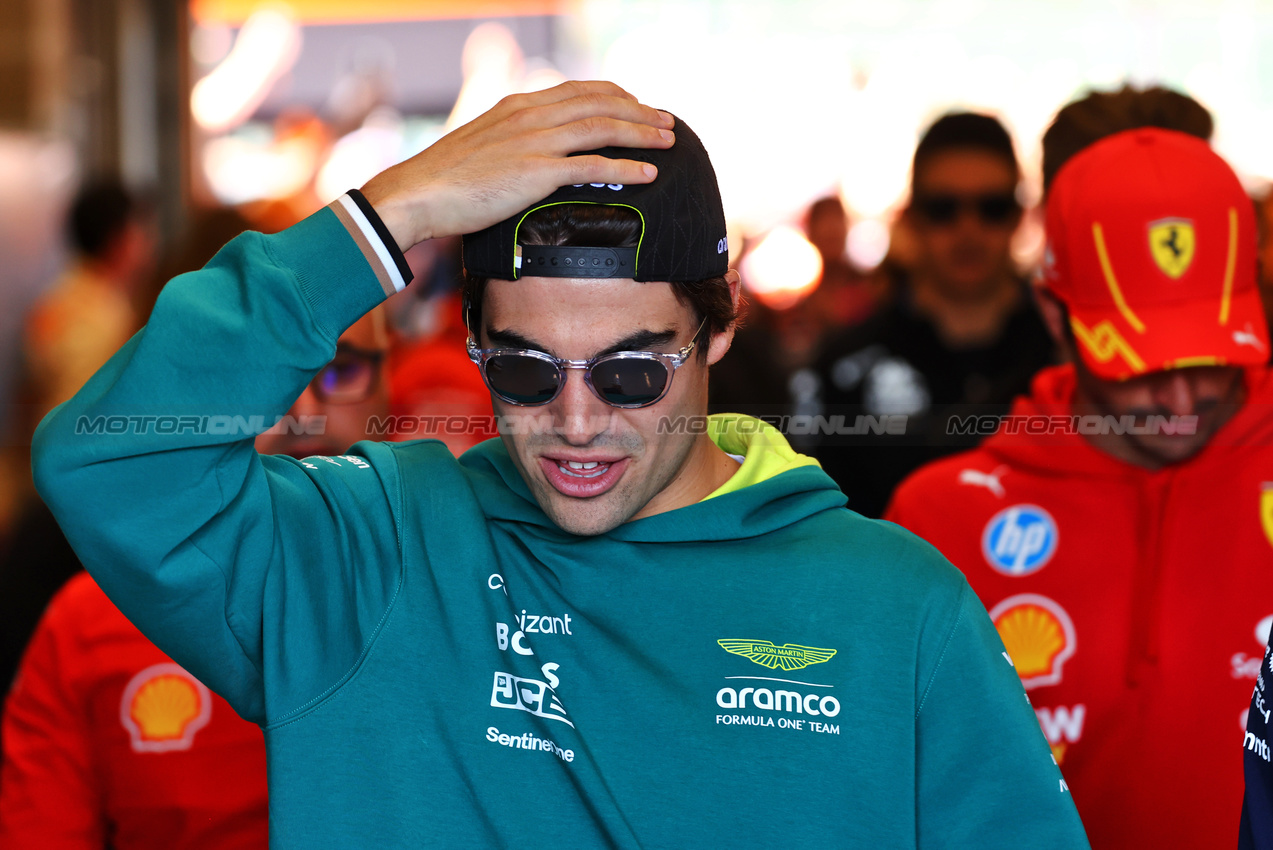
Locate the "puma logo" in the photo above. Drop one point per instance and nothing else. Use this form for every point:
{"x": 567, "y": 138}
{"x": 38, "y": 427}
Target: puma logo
{"x": 1247, "y": 336}
{"x": 989, "y": 480}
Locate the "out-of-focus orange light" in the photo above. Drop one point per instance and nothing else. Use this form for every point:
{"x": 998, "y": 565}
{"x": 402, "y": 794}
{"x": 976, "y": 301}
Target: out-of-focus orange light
{"x": 265, "y": 49}
{"x": 783, "y": 268}
{"x": 868, "y": 243}
{"x": 493, "y": 66}
{"x": 361, "y": 155}
{"x": 235, "y": 12}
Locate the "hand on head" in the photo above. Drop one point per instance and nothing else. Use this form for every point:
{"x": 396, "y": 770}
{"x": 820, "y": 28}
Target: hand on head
{"x": 514, "y": 155}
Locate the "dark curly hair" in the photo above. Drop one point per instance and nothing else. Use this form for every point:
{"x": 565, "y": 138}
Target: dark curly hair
{"x": 1100, "y": 114}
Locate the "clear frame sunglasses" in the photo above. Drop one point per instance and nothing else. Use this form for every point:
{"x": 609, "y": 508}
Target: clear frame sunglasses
{"x": 626, "y": 379}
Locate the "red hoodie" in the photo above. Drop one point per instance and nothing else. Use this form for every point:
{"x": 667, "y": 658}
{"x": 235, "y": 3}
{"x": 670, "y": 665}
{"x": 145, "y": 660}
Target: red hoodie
{"x": 1135, "y": 605}
{"x": 107, "y": 742}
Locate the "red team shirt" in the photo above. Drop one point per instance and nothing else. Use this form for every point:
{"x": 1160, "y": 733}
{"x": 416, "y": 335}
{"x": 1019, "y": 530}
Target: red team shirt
{"x": 109, "y": 743}
{"x": 1134, "y": 604}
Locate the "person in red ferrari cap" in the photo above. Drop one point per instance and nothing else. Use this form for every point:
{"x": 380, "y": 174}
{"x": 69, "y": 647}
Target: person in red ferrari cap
{"x": 1118, "y": 525}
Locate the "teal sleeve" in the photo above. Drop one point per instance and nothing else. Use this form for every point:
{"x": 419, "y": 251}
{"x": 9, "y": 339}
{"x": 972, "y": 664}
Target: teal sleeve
{"x": 266, "y": 578}
{"x": 985, "y": 774}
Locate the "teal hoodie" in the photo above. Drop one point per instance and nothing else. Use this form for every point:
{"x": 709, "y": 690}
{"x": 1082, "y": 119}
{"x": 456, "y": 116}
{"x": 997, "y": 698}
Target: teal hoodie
{"x": 435, "y": 663}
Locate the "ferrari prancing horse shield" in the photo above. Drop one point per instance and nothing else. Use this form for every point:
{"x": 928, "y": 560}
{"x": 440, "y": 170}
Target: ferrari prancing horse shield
{"x": 1171, "y": 242}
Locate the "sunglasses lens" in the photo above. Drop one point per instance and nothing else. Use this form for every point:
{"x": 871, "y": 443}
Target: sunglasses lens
{"x": 629, "y": 381}
{"x": 521, "y": 379}
{"x": 946, "y": 209}
{"x": 939, "y": 209}
{"x": 996, "y": 209}
{"x": 347, "y": 378}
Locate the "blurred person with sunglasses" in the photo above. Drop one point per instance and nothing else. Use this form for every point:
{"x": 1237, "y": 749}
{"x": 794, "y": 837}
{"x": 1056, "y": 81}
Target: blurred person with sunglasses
{"x": 342, "y": 401}
{"x": 1118, "y": 523}
{"x": 621, "y": 623}
{"x": 960, "y": 334}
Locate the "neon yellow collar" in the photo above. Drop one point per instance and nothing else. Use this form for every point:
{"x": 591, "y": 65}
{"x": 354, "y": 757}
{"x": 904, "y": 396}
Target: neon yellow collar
{"x": 765, "y": 449}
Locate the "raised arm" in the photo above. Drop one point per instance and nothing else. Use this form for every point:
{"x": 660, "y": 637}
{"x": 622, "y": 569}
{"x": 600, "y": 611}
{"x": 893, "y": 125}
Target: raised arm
{"x": 514, "y": 155}
{"x": 222, "y": 557}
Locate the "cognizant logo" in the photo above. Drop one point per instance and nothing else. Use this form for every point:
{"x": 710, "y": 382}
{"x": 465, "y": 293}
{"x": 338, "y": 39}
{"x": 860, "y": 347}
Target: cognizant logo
{"x": 791, "y": 702}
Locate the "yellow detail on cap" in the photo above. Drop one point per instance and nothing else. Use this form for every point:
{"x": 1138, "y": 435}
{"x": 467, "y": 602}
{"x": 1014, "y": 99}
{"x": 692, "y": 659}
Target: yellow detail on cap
{"x": 1105, "y": 343}
{"x": 1112, "y": 282}
{"x": 1058, "y": 752}
{"x": 1230, "y": 265}
{"x": 1186, "y": 362}
{"x": 518, "y": 229}
{"x": 1171, "y": 243}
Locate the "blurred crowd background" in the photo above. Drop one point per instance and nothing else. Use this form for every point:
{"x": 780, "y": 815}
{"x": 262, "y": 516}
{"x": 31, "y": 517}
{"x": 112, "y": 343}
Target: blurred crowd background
{"x": 880, "y": 164}
{"x": 137, "y": 136}
{"x": 219, "y": 115}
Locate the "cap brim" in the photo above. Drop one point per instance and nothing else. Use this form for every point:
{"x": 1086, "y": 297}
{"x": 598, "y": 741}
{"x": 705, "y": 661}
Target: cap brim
{"x": 1174, "y": 336}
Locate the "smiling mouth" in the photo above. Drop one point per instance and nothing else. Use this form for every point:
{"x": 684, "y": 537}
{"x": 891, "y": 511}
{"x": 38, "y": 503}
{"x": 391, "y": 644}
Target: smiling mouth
{"x": 582, "y": 479}
{"x": 590, "y": 469}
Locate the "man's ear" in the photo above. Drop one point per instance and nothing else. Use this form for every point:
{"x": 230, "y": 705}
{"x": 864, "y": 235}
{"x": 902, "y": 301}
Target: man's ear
{"x": 1054, "y": 315}
{"x": 721, "y": 341}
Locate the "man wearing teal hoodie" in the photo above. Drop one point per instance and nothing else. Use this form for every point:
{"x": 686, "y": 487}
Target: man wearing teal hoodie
{"x": 620, "y": 624}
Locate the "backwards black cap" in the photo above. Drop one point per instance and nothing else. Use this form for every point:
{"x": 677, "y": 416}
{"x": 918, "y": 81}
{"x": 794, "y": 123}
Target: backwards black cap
{"x": 682, "y": 225}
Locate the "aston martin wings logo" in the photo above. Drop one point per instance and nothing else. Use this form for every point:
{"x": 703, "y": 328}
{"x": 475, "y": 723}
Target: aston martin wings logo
{"x": 789, "y": 656}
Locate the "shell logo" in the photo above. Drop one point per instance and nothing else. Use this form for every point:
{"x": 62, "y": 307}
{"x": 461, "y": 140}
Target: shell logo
{"x": 1038, "y": 635}
{"x": 163, "y": 707}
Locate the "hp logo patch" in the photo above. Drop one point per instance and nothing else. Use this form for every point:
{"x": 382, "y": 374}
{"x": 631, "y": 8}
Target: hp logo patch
{"x": 1019, "y": 540}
